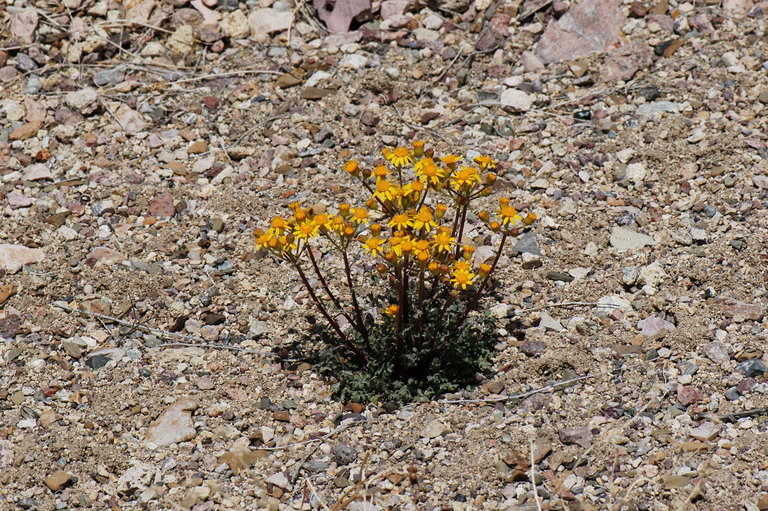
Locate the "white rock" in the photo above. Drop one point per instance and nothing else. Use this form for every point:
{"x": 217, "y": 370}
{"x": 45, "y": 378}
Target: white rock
{"x": 516, "y": 100}
{"x": 130, "y": 120}
{"x": 317, "y": 78}
{"x": 705, "y": 431}
{"x": 13, "y": 257}
{"x": 652, "y": 274}
{"x": 548, "y": 322}
{"x": 636, "y": 172}
{"x": 625, "y": 154}
{"x": 235, "y": 25}
{"x": 607, "y": 304}
{"x": 353, "y": 61}
{"x": 174, "y": 425}
{"x": 434, "y": 429}
{"x": 625, "y": 239}
{"x": 267, "y": 21}
{"x": 85, "y": 100}
{"x": 279, "y": 480}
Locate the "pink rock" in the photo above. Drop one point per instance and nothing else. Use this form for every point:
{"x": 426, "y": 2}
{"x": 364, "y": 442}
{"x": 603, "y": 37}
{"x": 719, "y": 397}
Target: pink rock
{"x": 338, "y": 15}
{"x": 130, "y": 120}
{"x": 590, "y": 26}
{"x": 36, "y": 172}
{"x": 688, "y": 394}
{"x": 627, "y": 61}
{"x": 24, "y": 24}
{"x": 17, "y": 200}
{"x": 103, "y": 254}
{"x": 737, "y": 8}
{"x": 162, "y": 206}
{"x": 531, "y": 62}
{"x": 654, "y": 328}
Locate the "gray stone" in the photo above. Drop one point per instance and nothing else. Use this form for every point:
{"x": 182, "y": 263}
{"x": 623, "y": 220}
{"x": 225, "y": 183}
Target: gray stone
{"x": 752, "y": 367}
{"x": 111, "y": 76}
{"x": 577, "y": 436}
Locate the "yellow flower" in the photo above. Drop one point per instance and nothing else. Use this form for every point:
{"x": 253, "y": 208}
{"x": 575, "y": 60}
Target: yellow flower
{"x": 386, "y": 190}
{"x": 399, "y": 157}
{"x": 424, "y": 219}
{"x": 414, "y": 188}
{"x": 336, "y": 224}
{"x": 450, "y": 159}
{"x": 380, "y": 171}
{"x": 400, "y": 221}
{"x": 465, "y": 177}
{"x": 278, "y": 225}
{"x": 306, "y": 230}
{"x": 509, "y": 215}
{"x": 423, "y": 163}
{"x": 402, "y": 245}
{"x": 392, "y": 310}
{"x": 322, "y": 220}
{"x": 443, "y": 240}
{"x": 352, "y": 167}
{"x": 485, "y": 162}
{"x": 360, "y": 215}
{"x": 431, "y": 173}
{"x": 262, "y": 241}
{"x": 462, "y": 279}
{"x": 461, "y": 266}
{"x": 373, "y": 246}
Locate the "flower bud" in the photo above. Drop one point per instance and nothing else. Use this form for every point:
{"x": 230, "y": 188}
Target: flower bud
{"x": 484, "y": 216}
{"x": 494, "y": 226}
{"x": 375, "y": 229}
{"x": 440, "y": 210}
{"x": 529, "y": 219}
{"x": 485, "y": 269}
{"x": 418, "y": 148}
{"x": 490, "y": 178}
{"x": 344, "y": 209}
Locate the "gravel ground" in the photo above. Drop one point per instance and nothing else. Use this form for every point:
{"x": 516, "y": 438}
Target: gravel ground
{"x": 136, "y": 158}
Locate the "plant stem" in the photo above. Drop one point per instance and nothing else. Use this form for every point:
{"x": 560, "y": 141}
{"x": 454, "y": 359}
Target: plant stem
{"x": 327, "y": 316}
{"x": 362, "y": 329}
{"x": 479, "y": 293}
{"x": 462, "y": 222}
{"x": 325, "y": 286}
{"x": 421, "y": 304}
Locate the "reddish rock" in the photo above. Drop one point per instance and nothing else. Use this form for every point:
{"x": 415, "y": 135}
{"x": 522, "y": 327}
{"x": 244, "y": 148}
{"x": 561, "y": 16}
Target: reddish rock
{"x": 162, "y": 206}
{"x": 688, "y": 394}
{"x": 592, "y": 25}
{"x": 627, "y": 61}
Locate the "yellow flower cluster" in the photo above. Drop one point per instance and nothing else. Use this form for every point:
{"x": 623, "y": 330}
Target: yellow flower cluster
{"x": 397, "y": 226}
